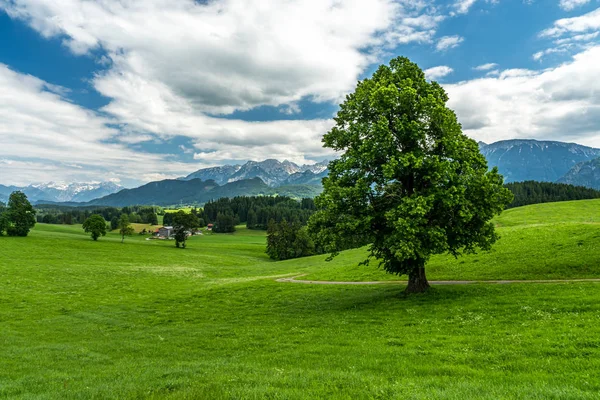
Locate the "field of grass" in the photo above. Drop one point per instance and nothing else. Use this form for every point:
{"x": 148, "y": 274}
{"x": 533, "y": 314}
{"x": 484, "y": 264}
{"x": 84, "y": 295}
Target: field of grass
{"x": 174, "y": 210}
{"x": 82, "y": 319}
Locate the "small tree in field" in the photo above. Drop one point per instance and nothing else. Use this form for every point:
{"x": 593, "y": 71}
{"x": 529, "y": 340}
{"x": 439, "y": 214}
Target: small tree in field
{"x": 182, "y": 224}
{"x": 96, "y": 225}
{"x": 408, "y": 180}
{"x": 19, "y": 216}
{"x": 125, "y": 228}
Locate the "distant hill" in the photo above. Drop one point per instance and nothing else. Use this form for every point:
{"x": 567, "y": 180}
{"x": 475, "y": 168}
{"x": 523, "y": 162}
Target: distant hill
{"x": 57, "y": 192}
{"x": 586, "y": 174}
{"x": 525, "y": 160}
{"x": 272, "y": 172}
{"x": 195, "y": 191}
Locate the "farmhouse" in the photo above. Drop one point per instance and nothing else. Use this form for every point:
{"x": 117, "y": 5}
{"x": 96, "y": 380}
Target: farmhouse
{"x": 165, "y": 231}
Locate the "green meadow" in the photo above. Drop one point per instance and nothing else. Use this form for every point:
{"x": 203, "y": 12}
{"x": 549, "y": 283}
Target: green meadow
{"x": 94, "y": 320}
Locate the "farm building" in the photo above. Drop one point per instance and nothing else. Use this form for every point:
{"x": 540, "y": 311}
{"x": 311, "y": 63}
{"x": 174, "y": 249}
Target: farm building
{"x": 165, "y": 231}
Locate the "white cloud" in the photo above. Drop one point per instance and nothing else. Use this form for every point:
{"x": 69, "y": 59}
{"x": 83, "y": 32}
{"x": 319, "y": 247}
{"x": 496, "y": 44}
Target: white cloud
{"x": 45, "y": 137}
{"x": 575, "y": 25}
{"x": 449, "y": 42}
{"x": 173, "y": 67}
{"x": 463, "y": 6}
{"x": 485, "y": 67}
{"x": 435, "y": 73}
{"x": 234, "y": 54}
{"x": 569, "y": 5}
{"x": 561, "y": 103}
{"x": 569, "y": 34}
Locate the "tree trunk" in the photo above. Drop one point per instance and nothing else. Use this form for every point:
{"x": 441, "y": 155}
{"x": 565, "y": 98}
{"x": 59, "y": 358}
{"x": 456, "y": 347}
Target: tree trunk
{"x": 417, "y": 281}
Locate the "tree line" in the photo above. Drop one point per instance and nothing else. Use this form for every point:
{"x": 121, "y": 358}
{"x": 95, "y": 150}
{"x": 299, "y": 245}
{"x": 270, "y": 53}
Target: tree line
{"x": 533, "y": 192}
{"x": 50, "y": 214}
{"x": 257, "y": 211}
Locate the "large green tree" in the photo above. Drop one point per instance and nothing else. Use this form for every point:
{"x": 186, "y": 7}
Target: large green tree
{"x": 408, "y": 181}
{"x": 95, "y": 225}
{"x": 19, "y": 215}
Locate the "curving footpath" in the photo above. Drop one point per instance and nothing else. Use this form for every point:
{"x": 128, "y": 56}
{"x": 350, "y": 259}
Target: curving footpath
{"x": 499, "y": 282}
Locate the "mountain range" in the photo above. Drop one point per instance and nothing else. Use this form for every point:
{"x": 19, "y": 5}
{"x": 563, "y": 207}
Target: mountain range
{"x": 58, "y": 192}
{"x": 196, "y": 191}
{"x": 272, "y": 172}
{"x": 518, "y": 160}
{"x": 532, "y": 160}
{"x": 586, "y": 174}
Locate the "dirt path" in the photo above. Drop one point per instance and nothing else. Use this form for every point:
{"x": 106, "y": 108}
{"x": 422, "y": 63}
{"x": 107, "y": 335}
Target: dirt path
{"x": 500, "y": 282}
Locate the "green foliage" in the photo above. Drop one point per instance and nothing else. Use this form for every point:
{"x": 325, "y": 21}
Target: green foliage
{"x": 3, "y": 218}
{"x": 54, "y": 214}
{"x": 183, "y": 225}
{"x": 95, "y": 225}
{"x": 408, "y": 179}
{"x": 19, "y": 216}
{"x": 114, "y": 222}
{"x": 532, "y": 192}
{"x": 225, "y": 223}
{"x": 287, "y": 240}
{"x": 125, "y": 228}
{"x": 257, "y": 211}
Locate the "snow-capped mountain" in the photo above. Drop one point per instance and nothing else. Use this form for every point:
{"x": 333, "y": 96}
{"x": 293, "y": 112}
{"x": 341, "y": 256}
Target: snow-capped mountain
{"x": 62, "y": 192}
{"x": 273, "y": 172}
{"x": 544, "y": 161}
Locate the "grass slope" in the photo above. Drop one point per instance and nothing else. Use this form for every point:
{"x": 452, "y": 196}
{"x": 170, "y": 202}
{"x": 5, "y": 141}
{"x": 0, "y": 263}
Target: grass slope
{"x": 83, "y": 319}
{"x": 542, "y": 241}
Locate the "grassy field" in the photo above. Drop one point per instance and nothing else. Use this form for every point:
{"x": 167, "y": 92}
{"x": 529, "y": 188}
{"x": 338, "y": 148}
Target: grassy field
{"x": 82, "y": 319}
{"x": 174, "y": 210}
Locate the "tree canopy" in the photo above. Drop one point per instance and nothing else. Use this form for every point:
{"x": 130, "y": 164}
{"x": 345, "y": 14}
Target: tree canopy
{"x": 408, "y": 181}
{"x": 287, "y": 240}
{"x": 183, "y": 224}
{"x": 19, "y": 216}
{"x": 95, "y": 225}
{"x": 125, "y": 228}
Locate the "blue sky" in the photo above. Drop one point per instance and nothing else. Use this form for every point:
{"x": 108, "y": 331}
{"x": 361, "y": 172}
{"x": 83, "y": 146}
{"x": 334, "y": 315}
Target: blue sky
{"x": 134, "y": 91}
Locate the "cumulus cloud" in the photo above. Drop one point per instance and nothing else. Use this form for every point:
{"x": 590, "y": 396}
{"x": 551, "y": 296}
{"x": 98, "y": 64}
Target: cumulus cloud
{"x": 569, "y": 5}
{"x": 176, "y": 67}
{"x": 229, "y": 55}
{"x": 435, "y": 73}
{"x": 559, "y": 103}
{"x": 46, "y": 137}
{"x": 448, "y": 42}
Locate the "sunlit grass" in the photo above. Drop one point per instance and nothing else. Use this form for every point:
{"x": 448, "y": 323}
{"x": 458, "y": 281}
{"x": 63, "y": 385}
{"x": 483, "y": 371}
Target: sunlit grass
{"x": 84, "y": 319}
